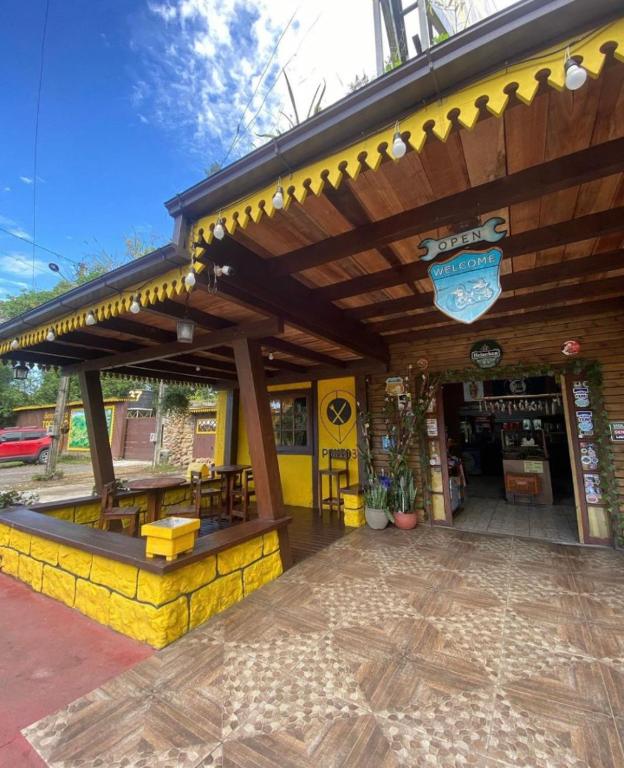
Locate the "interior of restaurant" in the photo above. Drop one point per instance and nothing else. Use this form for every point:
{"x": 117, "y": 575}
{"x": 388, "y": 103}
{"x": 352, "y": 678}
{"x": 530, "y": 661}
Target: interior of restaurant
{"x": 509, "y": 462}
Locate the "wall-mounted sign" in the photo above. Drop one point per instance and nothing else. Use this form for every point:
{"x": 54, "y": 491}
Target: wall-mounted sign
{"x": 395, "y": 386}
{"x": 589, "y": 456}
{"x": 585, "y": 423}
{"x": 337, "y": 412}
{"x": 468, "y": 284}
{"x": 486, "y": 354}
{"x": 593, "y": 492}
{"x": 473, "y": 390}
{"x": 534, "y": 467}
{"x": 432, "y": 427}
{"x": 517, "y": 386}
{"x": 483, "y": 233}
{"x": 617, "y": 431}
{"x": 571, "y": 348}
{"x": 580, "y": 392}
{"x": 422, "y": 363}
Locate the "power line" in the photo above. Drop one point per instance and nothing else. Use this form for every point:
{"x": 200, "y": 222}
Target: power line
{"x": 41, "y": 247}
{"x": 36, "y": 144}
{"x": 258, "y": 84}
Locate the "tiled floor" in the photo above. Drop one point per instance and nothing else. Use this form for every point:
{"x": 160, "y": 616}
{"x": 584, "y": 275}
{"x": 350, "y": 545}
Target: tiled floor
{"x": 486, "y": 510}
{"x": 432, "y": 648}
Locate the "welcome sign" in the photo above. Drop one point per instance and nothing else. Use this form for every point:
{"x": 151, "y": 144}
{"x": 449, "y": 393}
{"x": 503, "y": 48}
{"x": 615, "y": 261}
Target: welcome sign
{"x": 467, "y": 285}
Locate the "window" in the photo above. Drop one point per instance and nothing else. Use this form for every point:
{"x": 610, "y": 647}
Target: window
{"x": 291, "y": 424}
{"x": 206, "y": 426}
{"x": 11, "y": 437}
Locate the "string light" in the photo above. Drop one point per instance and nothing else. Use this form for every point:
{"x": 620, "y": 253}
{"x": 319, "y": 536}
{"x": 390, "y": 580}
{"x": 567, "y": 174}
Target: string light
{"x": 575, "y": 74}
{"x": 219, "y": 229}
{"x": 15, "y": 344}
{"x": 135, "y": 307}
{"x": 90, "y": 319}
{"x": 399, "y": 147}
{"x": 271, "y": 355}
{"x": 190, "y": 279}
{"x": 50, "y": 336}
{"x": 278, "y": 197}
{"x": 224, "y": 269}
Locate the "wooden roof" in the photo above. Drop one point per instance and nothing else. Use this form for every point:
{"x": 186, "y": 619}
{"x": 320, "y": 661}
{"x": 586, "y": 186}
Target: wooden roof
{"x": 339, "y": 268}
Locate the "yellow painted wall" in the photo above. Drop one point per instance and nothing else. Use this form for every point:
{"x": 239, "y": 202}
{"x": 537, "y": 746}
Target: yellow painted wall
{"x": 219, "y": 448}
{"x": 295, "y": 469}
{"x": 336, "y": 400}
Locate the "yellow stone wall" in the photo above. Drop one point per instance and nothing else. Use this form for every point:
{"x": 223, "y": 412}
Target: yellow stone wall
{"x": 87, "y": 512}
{"x": 354, "y": 516}
{"x": 148, "y": 607}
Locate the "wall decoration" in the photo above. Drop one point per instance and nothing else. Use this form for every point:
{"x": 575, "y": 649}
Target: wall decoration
{"x": 589, "y": 456}
{"x": 422, "y": 363}
{"x": 616, "y": 429}
{"x": 78, "y": 439}
{"x": 432, "y": 427}
{"x": 337, "y": 411}
{"x": 486, "y": 354}
{"x": 473, "y": 390}
{"x": 468, "y": 284}
{"x": 517, "y": 386}
{"x": 395, "y": 386}
{"x": 593, "y": 492}
{"x": 580, "y": 392}
{"x": 485, "y": 232}
{"x": 585, "y": 423}
{"x": 571, "y": 348}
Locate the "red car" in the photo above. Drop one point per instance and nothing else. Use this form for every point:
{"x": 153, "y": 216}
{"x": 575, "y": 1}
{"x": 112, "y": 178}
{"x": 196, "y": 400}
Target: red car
{"x": 28, "y": 444}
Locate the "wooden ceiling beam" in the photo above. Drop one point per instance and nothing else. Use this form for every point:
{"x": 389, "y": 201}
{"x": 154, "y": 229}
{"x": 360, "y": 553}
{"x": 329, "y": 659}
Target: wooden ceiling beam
{"x": 173, "y": 349}
{"x": 544, "y": 298}
{"x": 133, "y": 328}
{"x": 281, "y": 345}
{"x": 253, "y": 285}
{"x": 449, "y": 330}
{"x": 92, "y": 341}
{"x": 536, "y": 181}
{"x": 526, "y": 278}
{"x": 563, "y": 233}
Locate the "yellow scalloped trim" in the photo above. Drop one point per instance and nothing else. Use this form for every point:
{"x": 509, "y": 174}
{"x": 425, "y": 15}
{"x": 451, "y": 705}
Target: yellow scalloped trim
{"x": 370, "y": 151}
{"x": 349, "y": 161}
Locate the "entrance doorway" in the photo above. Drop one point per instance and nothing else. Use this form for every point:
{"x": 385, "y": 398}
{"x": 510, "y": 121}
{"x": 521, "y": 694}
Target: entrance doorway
{"x": 509, "y": 459}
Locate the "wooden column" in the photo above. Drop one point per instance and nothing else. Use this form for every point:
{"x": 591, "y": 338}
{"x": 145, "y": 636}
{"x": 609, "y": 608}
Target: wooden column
{"x": 255, "y": 401}
{"x": 230, "y": 449}
{"x": 95, "y": 417}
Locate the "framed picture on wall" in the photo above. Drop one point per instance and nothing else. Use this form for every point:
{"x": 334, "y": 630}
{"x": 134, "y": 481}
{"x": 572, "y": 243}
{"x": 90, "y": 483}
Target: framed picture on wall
{"x": 473, "y": 390}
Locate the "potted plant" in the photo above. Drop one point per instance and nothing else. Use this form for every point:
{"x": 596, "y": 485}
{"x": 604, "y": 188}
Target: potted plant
{"x": 405, "y": 515}
{"x": 376, "y": 504}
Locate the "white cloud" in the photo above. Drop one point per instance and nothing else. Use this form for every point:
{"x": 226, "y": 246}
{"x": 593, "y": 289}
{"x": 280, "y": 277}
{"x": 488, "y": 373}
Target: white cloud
{"x": 26, "y": 179}
{"x": 13, "y": 227}
{"x": 21, "y": 264}
{"x": 201, "y": 62}
{"x": 7, "y": 189}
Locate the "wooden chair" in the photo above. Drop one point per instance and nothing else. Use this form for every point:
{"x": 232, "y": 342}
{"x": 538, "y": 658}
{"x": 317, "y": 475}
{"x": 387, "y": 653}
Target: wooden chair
{"x": 244, "y": 492}
{"x": 194, "y": 508}
{"x": 109, "y": 512}
{"x": 211, "y": 489}
{"x": 332, "y": 472}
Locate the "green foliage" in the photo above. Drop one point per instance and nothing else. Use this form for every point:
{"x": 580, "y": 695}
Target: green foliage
{"x": 376, "y": 495}
{"x": 440, "y": 38}
{"x": 176, "y": 399}
{"x": 392, "y": 61}
{"x": 11, "y": 498}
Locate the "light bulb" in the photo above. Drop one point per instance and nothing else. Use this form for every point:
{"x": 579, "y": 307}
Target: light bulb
{"x": 399, "y": 148}
{"x": 50, "y": 336}
{"x": 278, "y": 198}
{"x": 190, "y": 279}
{"x": 90, "y": 319}
{"x": 219, "y": 231}
{"x": 270, "y": 355}
{"x": 575, "y": 75}
{"x": 135, "y": 307}
{"x": 227, "y": 270}
{"x": 15, "y": 344}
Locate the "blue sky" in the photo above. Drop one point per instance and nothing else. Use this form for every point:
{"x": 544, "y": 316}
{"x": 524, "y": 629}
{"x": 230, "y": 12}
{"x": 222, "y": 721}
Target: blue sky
{"x": 139, "y": 98}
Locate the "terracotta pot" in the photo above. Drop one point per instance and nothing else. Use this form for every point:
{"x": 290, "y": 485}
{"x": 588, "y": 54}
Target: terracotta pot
{"x": 406, "y": 520}
{"x": 376, "y": 518}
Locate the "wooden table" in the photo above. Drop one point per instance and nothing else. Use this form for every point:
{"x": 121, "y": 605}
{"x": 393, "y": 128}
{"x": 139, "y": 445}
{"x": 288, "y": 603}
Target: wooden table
{"x": 229, "y": 472}
{"x": 154, "y": 487}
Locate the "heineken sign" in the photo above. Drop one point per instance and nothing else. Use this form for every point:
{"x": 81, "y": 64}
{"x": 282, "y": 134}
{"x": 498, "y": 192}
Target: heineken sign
{"x": 486, "y": 354}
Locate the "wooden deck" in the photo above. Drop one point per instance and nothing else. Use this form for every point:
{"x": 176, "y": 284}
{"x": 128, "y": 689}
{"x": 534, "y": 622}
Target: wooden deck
{"x": 309, "y": 532}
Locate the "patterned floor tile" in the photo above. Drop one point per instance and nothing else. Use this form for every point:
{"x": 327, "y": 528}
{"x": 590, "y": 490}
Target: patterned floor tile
{"x": 388, "y": 649}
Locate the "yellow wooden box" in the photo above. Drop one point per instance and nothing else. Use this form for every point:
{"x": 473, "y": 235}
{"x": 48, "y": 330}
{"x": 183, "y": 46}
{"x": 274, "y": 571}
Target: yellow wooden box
{"x": 170, "y": 537}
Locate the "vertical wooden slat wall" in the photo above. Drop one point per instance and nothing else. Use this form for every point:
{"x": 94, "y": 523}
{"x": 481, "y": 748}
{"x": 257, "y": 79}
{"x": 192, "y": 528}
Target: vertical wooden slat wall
{"x": 601, "y": 337}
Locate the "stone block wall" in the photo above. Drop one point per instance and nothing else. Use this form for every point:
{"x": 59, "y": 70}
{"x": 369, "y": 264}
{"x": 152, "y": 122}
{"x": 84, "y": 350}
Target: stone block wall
{"x": 178, "y": 438}
{"x": 149, "y": 607}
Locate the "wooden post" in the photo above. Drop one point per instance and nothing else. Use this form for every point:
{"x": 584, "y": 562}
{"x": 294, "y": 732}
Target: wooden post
{"x": 159, "y": 423}
{"x": 97, "y": 429}
{"x": 255, "y": 401}
{"x": 230, "y": 451}
{"x": 57, "y": 426}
